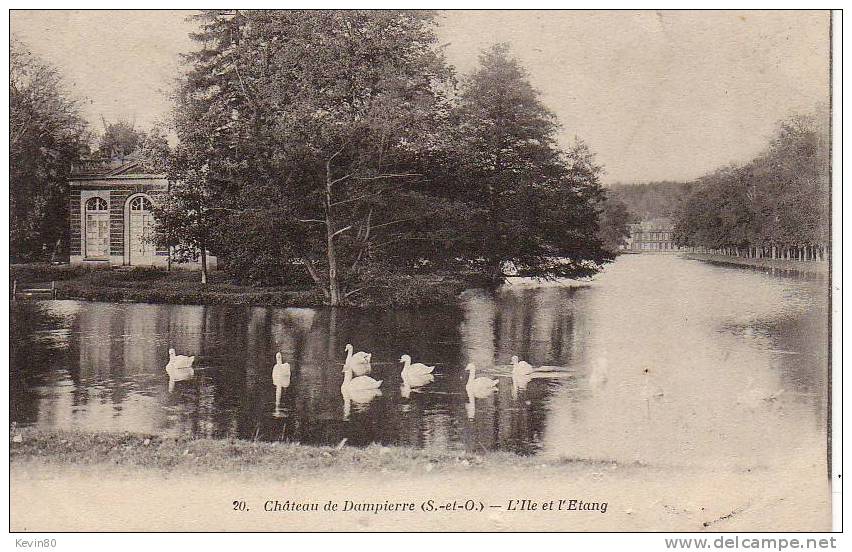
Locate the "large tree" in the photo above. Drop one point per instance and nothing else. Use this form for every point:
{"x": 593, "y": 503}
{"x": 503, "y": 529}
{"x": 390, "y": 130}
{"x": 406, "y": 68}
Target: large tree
{"x": 46, "y": 136}
{"x": 320, "y": 120}
{"x": 539, "y": 201}
{"x": 615, "y": 219}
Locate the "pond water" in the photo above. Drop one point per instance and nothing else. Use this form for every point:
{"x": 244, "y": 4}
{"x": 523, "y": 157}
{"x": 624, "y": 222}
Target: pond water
{"x": 659, "y": 360}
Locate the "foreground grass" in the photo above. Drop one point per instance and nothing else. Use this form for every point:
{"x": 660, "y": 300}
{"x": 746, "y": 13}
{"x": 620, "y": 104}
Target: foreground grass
{"x": 183, "y": 455}
{"x": 146, "y": 285}
{"x": 784, "y": 265}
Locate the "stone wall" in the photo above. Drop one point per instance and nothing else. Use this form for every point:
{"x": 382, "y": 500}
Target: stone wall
{"x": 75, "y": 244}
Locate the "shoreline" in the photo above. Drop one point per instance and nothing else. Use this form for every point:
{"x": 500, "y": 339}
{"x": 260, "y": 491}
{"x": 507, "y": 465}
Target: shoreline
{"x": 784, "y": 266}
{"x": 141, "y": 482}
{"x": 178, "y": 455}
{"x": 181, "y": 287}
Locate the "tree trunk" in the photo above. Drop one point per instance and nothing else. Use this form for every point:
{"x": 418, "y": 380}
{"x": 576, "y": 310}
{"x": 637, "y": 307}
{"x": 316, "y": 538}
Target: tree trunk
{"x": 55, "y": 252}
{"x": 203, "y": 265}
{"x": 334, "y": 297}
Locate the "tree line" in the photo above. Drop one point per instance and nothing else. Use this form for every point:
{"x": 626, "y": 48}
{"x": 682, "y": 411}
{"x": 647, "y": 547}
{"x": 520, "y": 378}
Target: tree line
{"x": 775, "y": 206}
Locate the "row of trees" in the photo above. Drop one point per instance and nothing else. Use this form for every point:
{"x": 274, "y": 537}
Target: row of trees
{"x": 775, "y": 206}
{"x": 340, "y": 145}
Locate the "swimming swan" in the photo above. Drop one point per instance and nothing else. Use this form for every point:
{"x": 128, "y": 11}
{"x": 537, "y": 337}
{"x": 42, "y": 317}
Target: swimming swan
{"x": 359, "y": 362}
{"x": 360, "y": 390}
{"x": 521, "y": 368}
{"x": 413, "y": 370}
{"x": 280, "y": 377}
{"x": 479, "y": 387}
{"x": 280, "y": 372}
{"x": 416, "y": 380}
{"x": 361, "y": 383}
{"x": 180, "y": 366}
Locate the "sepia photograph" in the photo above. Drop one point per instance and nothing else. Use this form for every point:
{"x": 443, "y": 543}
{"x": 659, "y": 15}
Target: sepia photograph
{"x": 362, "y": 270}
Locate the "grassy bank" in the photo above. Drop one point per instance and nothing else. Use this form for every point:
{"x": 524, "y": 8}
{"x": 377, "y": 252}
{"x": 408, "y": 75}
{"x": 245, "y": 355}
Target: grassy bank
{"x": 145, "y": 285}
{"x": 230, "y": 456}
{"x": 783, "y": 265}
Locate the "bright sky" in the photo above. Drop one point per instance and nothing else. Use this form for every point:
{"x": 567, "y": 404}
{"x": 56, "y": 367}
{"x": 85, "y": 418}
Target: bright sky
{"x": 657, "y": 95}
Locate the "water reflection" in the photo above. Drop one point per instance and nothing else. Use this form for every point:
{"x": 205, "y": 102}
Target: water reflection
{"x": 647, "y": 363}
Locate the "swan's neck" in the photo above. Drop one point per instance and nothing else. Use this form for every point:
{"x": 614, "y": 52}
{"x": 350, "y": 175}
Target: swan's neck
{"x": 406, "y": 364}
{"x": 471, "y": 375}
{"x": 347, "y": 376}
{"x": 348, "y": 354}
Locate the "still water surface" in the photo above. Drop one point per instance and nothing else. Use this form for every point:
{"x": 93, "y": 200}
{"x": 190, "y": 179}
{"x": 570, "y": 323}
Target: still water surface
{"x": 659, "y": 360}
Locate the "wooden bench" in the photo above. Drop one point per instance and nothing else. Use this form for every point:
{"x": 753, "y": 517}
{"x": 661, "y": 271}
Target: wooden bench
{"x": 28, "y": 290}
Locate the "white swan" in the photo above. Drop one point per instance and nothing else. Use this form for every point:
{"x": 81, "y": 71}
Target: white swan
{"x": 179, "y": 367}
{"x": 361, "y": 383}
{"x": 479, "y": 387}
{"x": 280, "y": 372}
{"x": 359, "y": 362}
{"x": 521, "y": 367}
{"x": 360, "y": 390}
{"x": 280, "y": 377}
{"x": 414, "y": 370}
{"x": 416, "y": 380}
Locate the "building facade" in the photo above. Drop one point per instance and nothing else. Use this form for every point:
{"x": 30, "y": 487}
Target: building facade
{"x": 651, "y": 236}
{"x": 111, "y": 215}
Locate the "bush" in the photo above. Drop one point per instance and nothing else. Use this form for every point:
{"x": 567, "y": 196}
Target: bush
{"x": 259, "y": 252}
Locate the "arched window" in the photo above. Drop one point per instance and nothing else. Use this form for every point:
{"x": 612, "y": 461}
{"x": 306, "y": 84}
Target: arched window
{"x": 140, "y": 203}
{"x": 96, "y": 204}
{"x": 97, "y": 228}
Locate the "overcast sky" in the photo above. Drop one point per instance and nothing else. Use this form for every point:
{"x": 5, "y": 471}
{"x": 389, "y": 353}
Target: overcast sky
{"x": 657, "y": 95}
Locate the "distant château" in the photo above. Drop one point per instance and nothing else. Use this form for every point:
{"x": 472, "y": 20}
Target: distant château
{"x": 651, "y": 236}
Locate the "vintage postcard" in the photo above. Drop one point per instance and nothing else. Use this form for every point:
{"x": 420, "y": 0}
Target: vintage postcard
{"x": 421, "y": 271}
